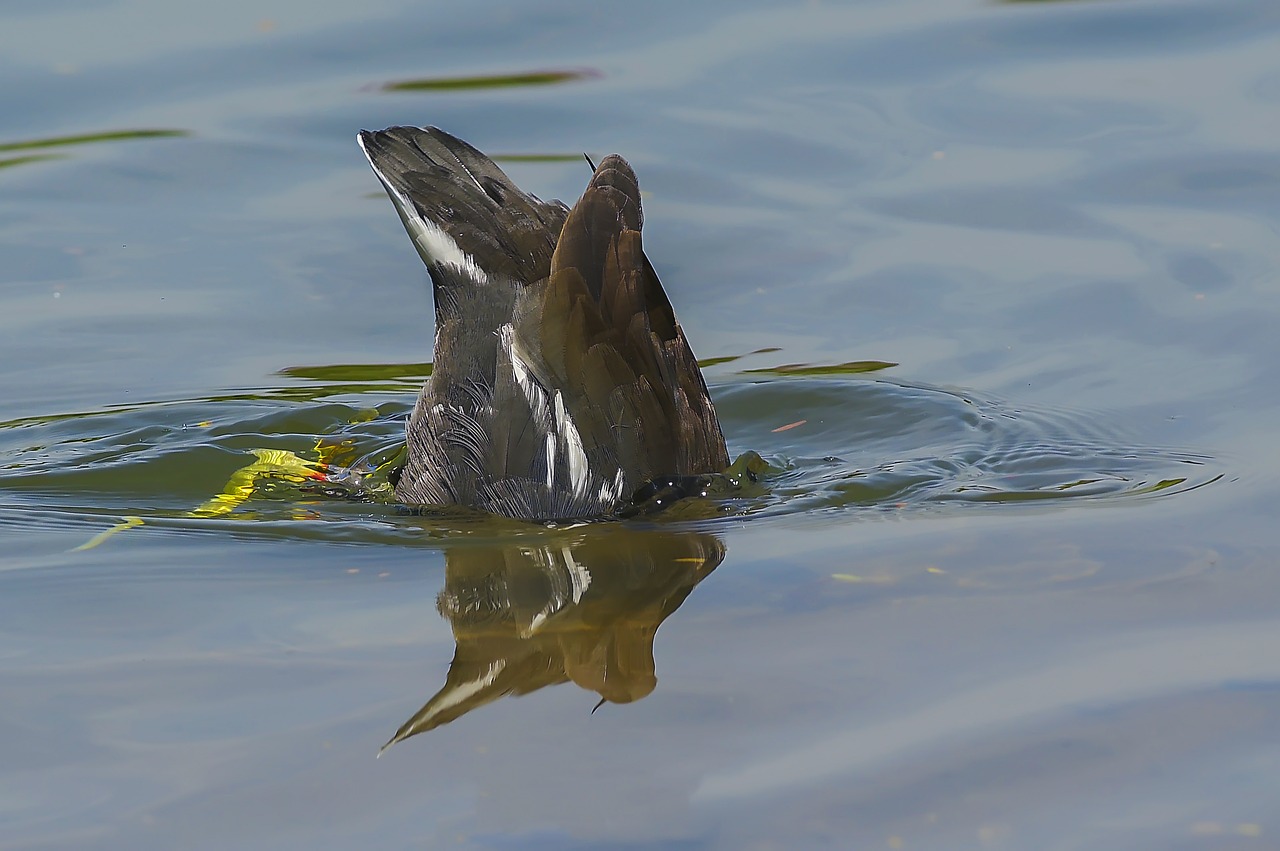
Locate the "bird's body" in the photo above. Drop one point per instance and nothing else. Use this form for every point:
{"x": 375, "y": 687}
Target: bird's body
{"x": 562, "y": 382}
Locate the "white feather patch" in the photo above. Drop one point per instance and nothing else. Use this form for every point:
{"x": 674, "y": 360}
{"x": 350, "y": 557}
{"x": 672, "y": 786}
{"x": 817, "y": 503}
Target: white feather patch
{"x": 611, "y": 491}
{"x": 441, "y": 248}
{"x": 554, "y": 416}
{"x": 551, "y": 459}
{"x": 430, "y": 238}
{"x": 575, "y": 454}
{"x": 533, "y": 392}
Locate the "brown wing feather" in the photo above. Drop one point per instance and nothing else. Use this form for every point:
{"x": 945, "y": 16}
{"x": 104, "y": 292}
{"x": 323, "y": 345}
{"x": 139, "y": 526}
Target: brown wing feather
{"x": 625, "y": 337}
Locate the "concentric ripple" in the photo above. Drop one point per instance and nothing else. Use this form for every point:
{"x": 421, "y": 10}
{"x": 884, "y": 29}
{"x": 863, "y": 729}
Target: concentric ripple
{"x": 847, "y": 445}
{"x": 876, "y": 445}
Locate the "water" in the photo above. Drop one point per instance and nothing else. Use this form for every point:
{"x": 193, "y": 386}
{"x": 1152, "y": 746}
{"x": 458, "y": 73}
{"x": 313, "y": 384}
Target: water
{"x": 990, "y": 287}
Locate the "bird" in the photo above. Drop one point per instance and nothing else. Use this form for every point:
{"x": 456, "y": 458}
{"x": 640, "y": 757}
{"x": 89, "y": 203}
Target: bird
{"x": 562, "y": 386}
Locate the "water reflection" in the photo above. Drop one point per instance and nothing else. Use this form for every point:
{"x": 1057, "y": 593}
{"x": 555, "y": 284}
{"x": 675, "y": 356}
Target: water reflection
{"x": 579, "y": 605}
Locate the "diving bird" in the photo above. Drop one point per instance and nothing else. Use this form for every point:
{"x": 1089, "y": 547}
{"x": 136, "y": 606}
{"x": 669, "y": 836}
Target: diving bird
{"x": 562, "y": 387}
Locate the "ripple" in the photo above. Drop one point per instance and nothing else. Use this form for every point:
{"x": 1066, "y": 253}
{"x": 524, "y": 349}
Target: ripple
{"x": 827, "y": 444}
{"x": 885, "y": 446}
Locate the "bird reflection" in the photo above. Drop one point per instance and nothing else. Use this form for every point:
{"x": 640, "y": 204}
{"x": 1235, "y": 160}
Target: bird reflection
{"x": 579, "y": 605}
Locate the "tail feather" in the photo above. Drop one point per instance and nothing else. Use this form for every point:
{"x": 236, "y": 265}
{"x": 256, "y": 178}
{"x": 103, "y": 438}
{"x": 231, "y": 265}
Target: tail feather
{"x": 562, "y": 380}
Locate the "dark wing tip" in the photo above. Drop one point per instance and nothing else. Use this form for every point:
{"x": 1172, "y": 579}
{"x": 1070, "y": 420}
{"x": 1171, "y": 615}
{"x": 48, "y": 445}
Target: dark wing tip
{"x": 438, "y": 182}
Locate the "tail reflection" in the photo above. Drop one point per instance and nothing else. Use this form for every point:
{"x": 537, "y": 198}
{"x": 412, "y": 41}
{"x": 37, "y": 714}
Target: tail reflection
{"x": 581, "y": 605}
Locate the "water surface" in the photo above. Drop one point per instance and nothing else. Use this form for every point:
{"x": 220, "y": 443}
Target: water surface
{"x": 990, "y": 287}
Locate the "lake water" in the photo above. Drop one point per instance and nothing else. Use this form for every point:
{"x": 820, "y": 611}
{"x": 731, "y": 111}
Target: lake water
{"x": 1019, "y": 588}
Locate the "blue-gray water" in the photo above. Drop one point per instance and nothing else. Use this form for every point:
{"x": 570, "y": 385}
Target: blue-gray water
{"x": 1019, "y": 590}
